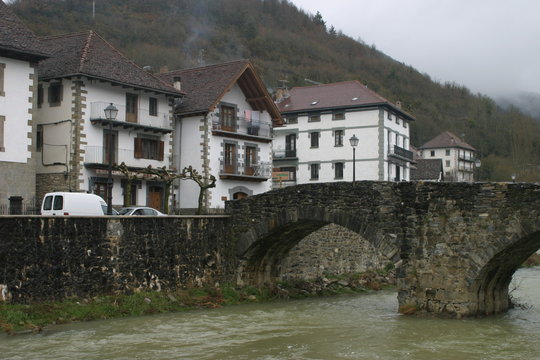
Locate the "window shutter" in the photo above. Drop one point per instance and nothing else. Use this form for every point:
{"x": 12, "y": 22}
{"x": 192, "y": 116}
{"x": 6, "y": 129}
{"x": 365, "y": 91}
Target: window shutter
{"x": 161, "y": 150}
{"x": 138, "y": 148}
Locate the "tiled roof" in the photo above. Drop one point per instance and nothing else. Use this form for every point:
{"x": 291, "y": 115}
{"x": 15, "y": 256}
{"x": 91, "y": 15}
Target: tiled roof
{"x": 90, "y": 55}
{"x": 16, "y": 40}
{"x": 205, "y": 86}
{"x": 346, "y": 94}
{"x": 447, "y": 140}
{"x": 427, "y": 169}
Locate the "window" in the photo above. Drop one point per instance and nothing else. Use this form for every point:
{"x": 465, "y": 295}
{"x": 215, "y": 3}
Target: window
{"x": 404, "y": 124}
{"x": 153, "y": 107}
{"x": 447, "y": 152}
{"x": 132, "y": 101}
{"x": 292, "y": 120}
{"x": 290, "y": 145}
{"x": 338, "y": 170}
{"x": 229, "y": 158}
{"x": 250, "y": 160}
{"x": 338, "y": 116}
{"x": 447, "y": 163}
{"x": 314, "y": 136}
{"x": 228, "y": 118}
{"x": 2, "y": 132}
{"x": 389, "y": 116}
{"x": 314, "y": 117}
{"x": 397, "y": 120}
{"x": 314, "y": 169}
{"x": 56, "y": 91}
{"x": 2, "y": 67}
{"x": 39, "y": 95}
{"x": 109, "y": 143}
{"x": 338, "y": 137}
{"x": 432, "y": 153}
{"x": 149, "y": 148}
{"x": 39, "y": 138}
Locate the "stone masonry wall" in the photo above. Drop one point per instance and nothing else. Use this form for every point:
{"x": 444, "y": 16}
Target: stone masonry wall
{"x": 46, "y": 258}
{"x": 331, "y": 250}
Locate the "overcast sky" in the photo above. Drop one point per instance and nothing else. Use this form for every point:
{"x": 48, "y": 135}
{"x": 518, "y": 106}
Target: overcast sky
{"x": 490, "y": 46}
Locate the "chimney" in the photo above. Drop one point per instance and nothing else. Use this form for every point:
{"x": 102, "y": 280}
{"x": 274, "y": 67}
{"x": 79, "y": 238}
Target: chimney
{"x": 282, "y": 91}
{"x": 163, "y": 69}
{"x": 398, "y": 104}
{"x": 177, "y": 83}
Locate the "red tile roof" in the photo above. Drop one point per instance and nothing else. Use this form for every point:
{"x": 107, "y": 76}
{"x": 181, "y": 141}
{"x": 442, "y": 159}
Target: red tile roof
{"x": 16, "y": 40}
{"x": 340, "y": 95}
{"x": 447, "y": 140}
{"x": 88, "y": 54}
{"x": 206, "y": 85}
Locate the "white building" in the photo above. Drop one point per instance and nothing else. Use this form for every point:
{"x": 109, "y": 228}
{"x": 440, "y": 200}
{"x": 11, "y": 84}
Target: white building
{"x": 457, "y": 156}
{"x": 224, "y": 129}
{"x": 85, "y": 75}
{"x": 19, "y": 53}
{"x": 314, "y": 144}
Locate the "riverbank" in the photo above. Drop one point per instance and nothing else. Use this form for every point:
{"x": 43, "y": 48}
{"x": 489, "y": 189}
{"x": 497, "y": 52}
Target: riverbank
{"x": 32, "y": 318}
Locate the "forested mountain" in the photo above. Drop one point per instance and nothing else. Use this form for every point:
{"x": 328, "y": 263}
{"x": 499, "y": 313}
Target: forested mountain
{"x": 285, "y": 43}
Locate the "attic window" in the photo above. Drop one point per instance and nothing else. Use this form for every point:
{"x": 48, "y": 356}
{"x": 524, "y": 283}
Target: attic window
{"x": 315, "y": 102}
{"x": 287, "y": 105}
{"x": 354, "y": 99}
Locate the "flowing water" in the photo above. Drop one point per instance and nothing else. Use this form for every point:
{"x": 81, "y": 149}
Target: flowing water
{"x": 347, "y": 327}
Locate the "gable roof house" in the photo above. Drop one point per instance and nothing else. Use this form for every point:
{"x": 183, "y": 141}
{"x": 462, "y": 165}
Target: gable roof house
{"x": 84, "y": 76}
{"x": 20, "y": 51}
{"x": 314, "y": 145}
{"x": 457, "y": 156}
{"x": 224, "y": 129}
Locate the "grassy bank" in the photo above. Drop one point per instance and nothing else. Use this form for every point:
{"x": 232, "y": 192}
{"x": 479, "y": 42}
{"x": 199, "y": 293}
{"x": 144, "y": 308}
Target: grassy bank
{"x": 33, "y": 317}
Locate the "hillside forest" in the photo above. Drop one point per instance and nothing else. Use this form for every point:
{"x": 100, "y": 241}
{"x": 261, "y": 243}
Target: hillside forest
{"x": 289, "y": 46}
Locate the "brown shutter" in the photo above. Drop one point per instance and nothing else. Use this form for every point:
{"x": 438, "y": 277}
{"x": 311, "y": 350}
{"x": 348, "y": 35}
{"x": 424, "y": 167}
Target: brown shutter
{"x": 161, "y": 150}
{"x": 138, "y": 148}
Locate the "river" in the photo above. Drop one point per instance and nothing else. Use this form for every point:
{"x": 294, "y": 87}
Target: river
{"x": 345, "y": 327}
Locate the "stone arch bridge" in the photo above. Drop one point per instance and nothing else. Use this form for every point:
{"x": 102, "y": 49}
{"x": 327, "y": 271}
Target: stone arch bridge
{"x": 457, "y": 245}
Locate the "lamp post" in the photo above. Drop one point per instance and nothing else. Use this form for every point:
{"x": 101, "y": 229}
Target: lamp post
{"x": 354, "y": 141}
{"x": 477, "y": 164}
{"x": 110, "y": 114}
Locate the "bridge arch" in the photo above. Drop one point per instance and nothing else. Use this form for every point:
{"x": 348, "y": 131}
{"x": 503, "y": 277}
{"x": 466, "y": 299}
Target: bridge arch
{"x": 459, "y": 244}
{"x": 264, "y": 247}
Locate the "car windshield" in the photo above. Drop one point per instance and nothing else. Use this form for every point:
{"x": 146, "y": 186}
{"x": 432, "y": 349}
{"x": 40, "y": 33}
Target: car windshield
{"x": 124, "y": 211}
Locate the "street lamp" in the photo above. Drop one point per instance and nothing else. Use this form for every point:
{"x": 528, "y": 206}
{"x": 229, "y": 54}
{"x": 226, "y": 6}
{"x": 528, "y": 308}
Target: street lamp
{"x": 354, "y": 142}
{"x": 110, "y": 114}
{"x": 477, "y": 164}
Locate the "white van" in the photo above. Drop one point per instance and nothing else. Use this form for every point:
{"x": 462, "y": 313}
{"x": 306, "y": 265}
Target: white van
{"x": 72, "y": 203}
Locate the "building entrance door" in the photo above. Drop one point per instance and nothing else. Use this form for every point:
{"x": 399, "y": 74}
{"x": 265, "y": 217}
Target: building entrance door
{"x": 155, "y": 197}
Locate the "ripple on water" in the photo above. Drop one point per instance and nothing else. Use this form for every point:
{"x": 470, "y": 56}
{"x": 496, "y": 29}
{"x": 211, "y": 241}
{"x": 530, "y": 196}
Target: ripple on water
{"x": 349, "y": 327}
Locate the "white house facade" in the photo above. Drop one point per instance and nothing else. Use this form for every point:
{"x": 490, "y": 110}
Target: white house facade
{"x": 224, "y": 129}
{"x": 459, "y": 159}
{"x": 314, "y": 145}
{"x": 19, "y": 53}
{"x": 77, "y": 140}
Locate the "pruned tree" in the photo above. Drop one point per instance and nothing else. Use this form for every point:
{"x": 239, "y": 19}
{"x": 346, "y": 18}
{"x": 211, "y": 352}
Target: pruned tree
{"x": 204, "y": 184}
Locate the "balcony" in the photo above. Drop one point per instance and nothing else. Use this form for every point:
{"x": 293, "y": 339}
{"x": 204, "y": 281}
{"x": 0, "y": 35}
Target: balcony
{"x": 464, "y": 157}
{"x": 142, "y": 120}
{"x": 243, "y": 128}
{"x": 96, "y": 156}
{"x": 238, "y": 171}
{"x": 281, "y": 154}
{"x": 400, "y": 153}
{"x": 466, "y": 169}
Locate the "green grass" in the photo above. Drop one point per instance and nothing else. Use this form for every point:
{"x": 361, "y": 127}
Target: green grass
{"x": 34, "y": 316}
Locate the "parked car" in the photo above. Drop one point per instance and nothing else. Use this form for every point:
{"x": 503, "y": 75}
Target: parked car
{"x": 73, "y": 203}
{"x": 140, "y": 210}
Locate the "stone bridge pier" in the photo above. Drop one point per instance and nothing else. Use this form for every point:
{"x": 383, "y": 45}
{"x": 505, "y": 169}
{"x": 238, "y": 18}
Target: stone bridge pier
{"x": 457, "y": 245}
